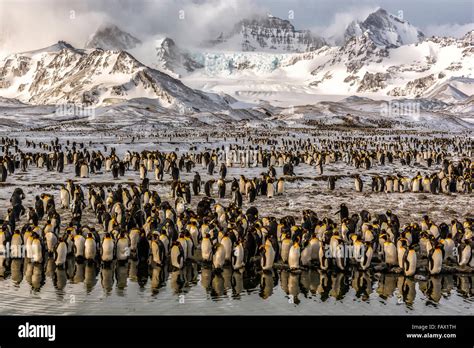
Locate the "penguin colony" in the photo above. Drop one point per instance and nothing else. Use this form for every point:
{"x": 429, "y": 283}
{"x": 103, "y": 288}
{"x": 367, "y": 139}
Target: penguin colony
{"x": 136, "y": 224}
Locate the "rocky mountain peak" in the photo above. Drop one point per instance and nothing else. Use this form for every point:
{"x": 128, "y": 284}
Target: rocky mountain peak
{"x": 111, "y": 37}
{"x": 268, "y": 33}
{"x": 385, "y": 29}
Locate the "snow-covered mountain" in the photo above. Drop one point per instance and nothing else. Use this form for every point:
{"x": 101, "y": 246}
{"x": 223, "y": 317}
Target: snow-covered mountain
{"x": 111, "y": 37}
{"x": 359, "y": 67}
{"x": 171, "y": 58}
{"x": 61, "y": 73}
{"x": 384, "y": 29}
{"x": 267, "y": 34}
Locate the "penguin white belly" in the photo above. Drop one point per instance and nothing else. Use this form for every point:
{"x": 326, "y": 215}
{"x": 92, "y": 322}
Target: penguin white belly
{"x": 206, "y": 249}
{"x": 367, "y": 258}
{"x": 281, "y": 187}
{"x": 415, "y": 185}
{"x": 90, "y": 249}
{"x": 306, "y": 256}
{"x": 65, "y": 203}
{"x": 448, "y": 248}
{"x": 227, "y": 244}
{"x": 434, "y": 230}
{"x": 194, "y": 232}
{"x": 142, "y": 172}
{"x": 323, "y": 260}
{"x": 218, "y": 258}
{"x": 16, "y": 247}
{"x": 315, "y": 245}
{"x": 466, "y": 256}
{"x": 79, "y": 244}
{"x": 156, "y": 253}
{"x": 285, "y": 250}
{"x": 134, "y": 237}
{"x": 166, "y": 242}
{"x": 409, "y": 265}
{"x": 436, "y": 262}
{"x": 123, "y": 250}
{"x": 177, "y": 259}
{"x": 37, "y": 251}
{"x": 51, "y": 241}
{"x": 84, "y": 171}
{"x": 270, "y": 190}
{"x": 61, "y": 254}
{"x": 180, "y": 207}
{"x": 108, "y": 249}
{"x": 390, "y": 252}
{"x": 238, "y": 257}
{"x": 269, "y": 259}
{"x": 294, "y": 257}
{"x": 401, "y": 252}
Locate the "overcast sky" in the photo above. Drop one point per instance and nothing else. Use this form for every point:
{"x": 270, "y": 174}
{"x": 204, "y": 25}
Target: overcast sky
{"x": 29, "y": 24}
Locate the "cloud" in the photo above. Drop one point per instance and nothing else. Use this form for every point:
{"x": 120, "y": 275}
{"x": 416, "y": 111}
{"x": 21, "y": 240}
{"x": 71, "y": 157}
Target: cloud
{"x": 455, "y": 30}
{"x": 30, "y": 24}
{"x": 334, "y": 32}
